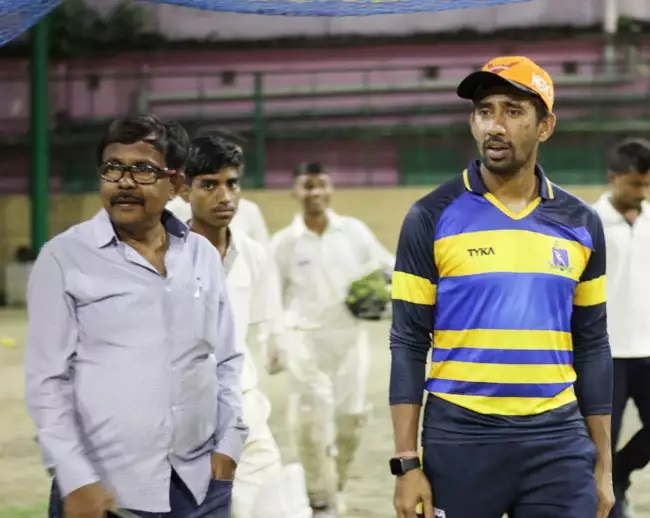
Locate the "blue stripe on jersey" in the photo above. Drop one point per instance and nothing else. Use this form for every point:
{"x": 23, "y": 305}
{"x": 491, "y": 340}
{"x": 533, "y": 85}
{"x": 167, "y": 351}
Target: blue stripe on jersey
{"x": 476, "y": 388}
{"x": 465, "y": 302}
{"x": 503, "y": 356}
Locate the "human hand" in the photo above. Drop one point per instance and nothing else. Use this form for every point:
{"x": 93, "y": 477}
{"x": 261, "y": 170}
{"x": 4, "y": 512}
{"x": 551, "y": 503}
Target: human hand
{"x": 411, "y": 489}
{"x": 223, "y": 467}
{"x": 276, "y": 356}
{"x": 605, "y": 489}
{"x": 89, "y": 501}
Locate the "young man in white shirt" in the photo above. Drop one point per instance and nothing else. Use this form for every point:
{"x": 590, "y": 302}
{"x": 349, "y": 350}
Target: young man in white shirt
{"x": 318, "y": 256}
{"x": 626, "y": 219}
{"x": 248, "y": 217}
{"x": 213, "y": 171}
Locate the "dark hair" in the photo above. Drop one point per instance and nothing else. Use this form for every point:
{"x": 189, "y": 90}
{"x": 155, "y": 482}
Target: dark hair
{"x": 179, "y": 145}
{"x": 309, "y": 168}
{"x": 631, "y": 154}
{"x": 169, "y": 138}
{"x": 232, "y": 136}
{"x": 210, "y": 154}
{"x": 540, "y": 108}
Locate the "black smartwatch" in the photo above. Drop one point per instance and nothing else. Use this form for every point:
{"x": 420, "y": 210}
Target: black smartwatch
{"x": 399, "y": 466}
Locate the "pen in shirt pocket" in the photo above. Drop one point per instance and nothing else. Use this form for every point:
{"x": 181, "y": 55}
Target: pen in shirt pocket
{"x": 199, "y": 287}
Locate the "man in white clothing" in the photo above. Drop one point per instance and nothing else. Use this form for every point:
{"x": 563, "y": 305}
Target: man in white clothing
{"x": 626, "y": 219}
{"x": 213, "y": 170}
{"x": 318, "y": 256}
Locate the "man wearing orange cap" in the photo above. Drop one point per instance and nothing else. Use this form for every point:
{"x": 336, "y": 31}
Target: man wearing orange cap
{"x": 503, "y": 273}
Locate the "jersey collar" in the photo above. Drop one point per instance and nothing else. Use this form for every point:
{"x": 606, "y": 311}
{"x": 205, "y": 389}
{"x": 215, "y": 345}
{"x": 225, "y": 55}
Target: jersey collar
{"x": 474, "y": 182}
{"x": 334, "y": 222}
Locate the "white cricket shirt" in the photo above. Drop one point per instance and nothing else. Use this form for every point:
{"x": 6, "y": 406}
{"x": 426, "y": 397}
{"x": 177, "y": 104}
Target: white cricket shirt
{"x": 316, "y": 270}
{"x": 250, "y": 221}
{"x": 249, "y": 280}
{"x": 180, "y": 208}
{"x": 628, "y": 280}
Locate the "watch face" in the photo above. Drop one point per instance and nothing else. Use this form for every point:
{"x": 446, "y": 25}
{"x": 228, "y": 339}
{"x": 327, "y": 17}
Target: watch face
{"x": 396, "y": 467}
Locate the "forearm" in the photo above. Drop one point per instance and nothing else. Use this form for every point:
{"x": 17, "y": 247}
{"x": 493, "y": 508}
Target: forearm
{"x": 406, "y": 422}
{"x": 599, "y": 427}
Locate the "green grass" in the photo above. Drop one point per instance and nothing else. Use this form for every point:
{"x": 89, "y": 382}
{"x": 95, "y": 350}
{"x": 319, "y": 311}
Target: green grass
{"x": 36, "y": 511}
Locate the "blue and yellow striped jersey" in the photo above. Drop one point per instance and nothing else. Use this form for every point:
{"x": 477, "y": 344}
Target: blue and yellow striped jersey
{"x": 511, "y": 303}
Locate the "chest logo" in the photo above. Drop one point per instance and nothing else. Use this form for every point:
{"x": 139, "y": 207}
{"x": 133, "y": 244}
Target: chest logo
{"x": 560, "y": 258}
{"x": 480, "y": 252}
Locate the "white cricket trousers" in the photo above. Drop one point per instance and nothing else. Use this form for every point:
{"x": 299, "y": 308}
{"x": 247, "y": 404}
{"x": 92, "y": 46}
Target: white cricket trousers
{"x": 329, "y": 371}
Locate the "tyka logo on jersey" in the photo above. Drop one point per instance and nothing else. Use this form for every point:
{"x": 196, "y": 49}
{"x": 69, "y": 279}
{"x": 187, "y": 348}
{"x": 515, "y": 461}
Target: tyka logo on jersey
{"x": 480, "y": 252}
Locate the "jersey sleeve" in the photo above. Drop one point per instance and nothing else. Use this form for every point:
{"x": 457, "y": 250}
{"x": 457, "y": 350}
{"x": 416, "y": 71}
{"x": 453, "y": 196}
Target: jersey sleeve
{"x": 592, "y": 355}
{"x": 414, "y": 296}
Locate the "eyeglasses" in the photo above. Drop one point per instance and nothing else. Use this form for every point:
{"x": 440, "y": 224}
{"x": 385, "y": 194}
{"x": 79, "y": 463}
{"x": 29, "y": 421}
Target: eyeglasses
{"x": 142, "y": 174}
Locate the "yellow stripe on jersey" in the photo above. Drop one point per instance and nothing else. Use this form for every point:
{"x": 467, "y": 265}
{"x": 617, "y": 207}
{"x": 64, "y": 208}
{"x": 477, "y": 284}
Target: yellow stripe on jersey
{"x": 495, "y": 251}
{"x": 513, "y": 406}
{"x": 413, "y": 289}
{"x": 590, "y": 293}
{"x": 500, "y": 373}
{"x": 514, "y": 339}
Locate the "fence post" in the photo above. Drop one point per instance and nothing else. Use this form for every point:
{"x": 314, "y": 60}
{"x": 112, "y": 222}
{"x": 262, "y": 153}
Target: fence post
{"x": 259, "y": 131}
{"x": 39, "y": 129}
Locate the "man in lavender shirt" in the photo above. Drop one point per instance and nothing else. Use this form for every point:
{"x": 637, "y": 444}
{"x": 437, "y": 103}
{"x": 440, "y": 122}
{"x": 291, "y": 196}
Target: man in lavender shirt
{"x": 132, "y": 369}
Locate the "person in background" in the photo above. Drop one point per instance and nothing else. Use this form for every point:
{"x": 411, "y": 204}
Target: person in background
{"x": 318, "y": 256}
{"x": 125, "y": 311}
{"x": 263, "y": 488}
{"x": 248, "y": 218}
{"x": 625, "y": 214}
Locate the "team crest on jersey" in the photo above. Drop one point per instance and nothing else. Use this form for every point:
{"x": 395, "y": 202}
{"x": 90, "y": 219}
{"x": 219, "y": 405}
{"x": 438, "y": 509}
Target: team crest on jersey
{"x": 439, "y": 513}
{"x": 560, "y": 258}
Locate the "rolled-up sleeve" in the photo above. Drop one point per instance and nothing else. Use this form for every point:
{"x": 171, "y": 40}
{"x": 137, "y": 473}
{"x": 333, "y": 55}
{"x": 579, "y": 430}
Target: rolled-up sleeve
{"x": 51, "y": 345}
{"x": 231, "y": 432}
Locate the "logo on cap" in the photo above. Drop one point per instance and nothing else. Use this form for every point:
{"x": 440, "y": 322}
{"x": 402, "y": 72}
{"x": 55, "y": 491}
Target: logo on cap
{"x": 541, "y": 85}
{"x": 496, "y": 68}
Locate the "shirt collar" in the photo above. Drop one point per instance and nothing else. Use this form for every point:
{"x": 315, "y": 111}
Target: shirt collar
{"x": 474, "y": 181}
{"x": 232, "y": 251}
{"x": 105, "y": 232}
{"x": 334, "y": 222}
{"x": 610, "y": 215}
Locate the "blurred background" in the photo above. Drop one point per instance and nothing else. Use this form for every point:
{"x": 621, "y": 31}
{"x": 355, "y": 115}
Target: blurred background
{"x": 371, "y": 97}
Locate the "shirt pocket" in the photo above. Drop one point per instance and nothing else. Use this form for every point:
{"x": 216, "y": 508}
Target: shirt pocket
{"x": 199, "y": 317}
{"x": 114, "y": 312}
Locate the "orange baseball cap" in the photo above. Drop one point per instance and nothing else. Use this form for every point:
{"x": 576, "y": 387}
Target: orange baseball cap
{"x": 517, "y": 71}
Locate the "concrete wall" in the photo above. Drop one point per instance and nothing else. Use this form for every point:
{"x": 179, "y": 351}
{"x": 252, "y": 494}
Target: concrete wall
{"x": 382, "y": 209}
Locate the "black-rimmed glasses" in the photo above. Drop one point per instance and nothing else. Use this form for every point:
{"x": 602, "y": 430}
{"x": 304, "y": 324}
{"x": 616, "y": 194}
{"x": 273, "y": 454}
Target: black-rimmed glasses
{"x": 142, "y": 174}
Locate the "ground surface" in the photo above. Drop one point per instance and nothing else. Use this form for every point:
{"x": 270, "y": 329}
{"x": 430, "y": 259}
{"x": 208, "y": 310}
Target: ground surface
{"x": 24, "y": 486}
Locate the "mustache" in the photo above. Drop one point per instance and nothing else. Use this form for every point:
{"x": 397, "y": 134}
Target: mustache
{"x": 496, "y": 141}
{"x": 126, "y": 197}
